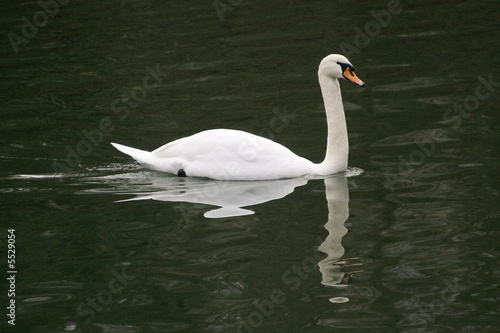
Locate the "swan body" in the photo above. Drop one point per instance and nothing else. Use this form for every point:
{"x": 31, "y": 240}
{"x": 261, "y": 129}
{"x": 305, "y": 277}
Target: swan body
{"x": 228, "y": 154}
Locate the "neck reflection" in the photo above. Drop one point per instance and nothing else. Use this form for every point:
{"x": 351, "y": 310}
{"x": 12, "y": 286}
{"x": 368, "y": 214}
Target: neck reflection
{"x": 336, "y": 271}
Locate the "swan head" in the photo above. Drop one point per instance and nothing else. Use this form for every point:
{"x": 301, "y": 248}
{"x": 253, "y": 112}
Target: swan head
{"x": 336, "y": 66}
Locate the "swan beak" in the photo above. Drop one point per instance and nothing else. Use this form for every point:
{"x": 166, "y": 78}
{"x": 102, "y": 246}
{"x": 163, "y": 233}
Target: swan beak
{"x": 349, "y": 75}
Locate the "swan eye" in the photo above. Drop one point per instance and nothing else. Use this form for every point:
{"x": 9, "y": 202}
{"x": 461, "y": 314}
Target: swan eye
{"x": 345, "y": 66}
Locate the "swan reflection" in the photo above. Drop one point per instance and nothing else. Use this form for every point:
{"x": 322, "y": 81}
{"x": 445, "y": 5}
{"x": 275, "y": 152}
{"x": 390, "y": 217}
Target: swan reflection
{"x": 332, "y": 268}
{"x": 229, "y": 196}
{"x": 232, "y": 196}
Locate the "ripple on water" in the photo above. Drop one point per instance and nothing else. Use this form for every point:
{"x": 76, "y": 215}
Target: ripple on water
{"x": 115, "y": 328}
{"x": 27, "y": 301}
{"x": 413, "y": 138}
{"x": 415, "y": 83}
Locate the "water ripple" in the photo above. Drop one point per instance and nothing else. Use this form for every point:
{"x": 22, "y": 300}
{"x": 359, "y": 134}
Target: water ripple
{"x": 27, "y": 301}
{"x": 115, "y": 328}
{"x": 415, "y": 83}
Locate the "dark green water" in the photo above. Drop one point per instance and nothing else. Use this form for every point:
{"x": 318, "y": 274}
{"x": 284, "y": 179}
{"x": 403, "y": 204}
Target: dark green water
{"x": 408, "y": 245}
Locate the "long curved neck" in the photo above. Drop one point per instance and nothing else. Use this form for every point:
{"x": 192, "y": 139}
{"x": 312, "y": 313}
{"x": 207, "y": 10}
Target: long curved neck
{"x": 337, "y": 147}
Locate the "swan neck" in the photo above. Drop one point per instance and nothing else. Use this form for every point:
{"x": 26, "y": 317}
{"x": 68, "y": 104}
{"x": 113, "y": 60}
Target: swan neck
{"x": 337, "y": 147}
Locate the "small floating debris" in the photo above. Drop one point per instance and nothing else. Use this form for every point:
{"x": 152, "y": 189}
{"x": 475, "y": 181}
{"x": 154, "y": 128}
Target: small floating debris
{"x": 339, "y": 300}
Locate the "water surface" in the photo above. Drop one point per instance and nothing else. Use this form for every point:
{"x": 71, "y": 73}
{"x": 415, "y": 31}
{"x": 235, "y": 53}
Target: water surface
{"x": 410, "y": 244}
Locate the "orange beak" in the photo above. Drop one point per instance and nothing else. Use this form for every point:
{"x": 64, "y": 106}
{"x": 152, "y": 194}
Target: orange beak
{"x": 349, "y": 74}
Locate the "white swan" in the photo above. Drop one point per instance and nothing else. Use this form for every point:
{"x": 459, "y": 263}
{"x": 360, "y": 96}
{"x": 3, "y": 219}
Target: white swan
{"x": 227, "y": 154}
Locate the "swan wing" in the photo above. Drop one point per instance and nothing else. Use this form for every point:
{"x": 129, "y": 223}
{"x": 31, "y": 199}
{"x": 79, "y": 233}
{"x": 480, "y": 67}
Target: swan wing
{"x": 230, "y": 155}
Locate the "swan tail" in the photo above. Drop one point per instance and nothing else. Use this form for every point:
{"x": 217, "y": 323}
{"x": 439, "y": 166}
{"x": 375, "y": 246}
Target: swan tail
{"x": 141, "y": 156}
